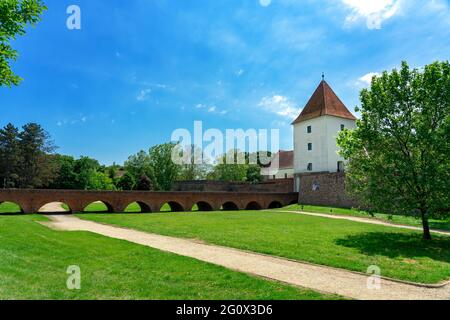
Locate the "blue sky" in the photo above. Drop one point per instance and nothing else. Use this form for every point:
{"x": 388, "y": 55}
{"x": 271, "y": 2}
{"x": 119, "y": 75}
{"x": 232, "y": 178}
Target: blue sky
{"x": 139, "y": 69}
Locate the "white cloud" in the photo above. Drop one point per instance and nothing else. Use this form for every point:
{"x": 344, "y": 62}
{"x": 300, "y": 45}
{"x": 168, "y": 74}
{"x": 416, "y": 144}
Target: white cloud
{"x": 280, "y": 105}
{"x": 366, "y": 79}
{"x": 211, "y": 109}
{"x": 143, "y": 95}
{"x": 375, "y": 12}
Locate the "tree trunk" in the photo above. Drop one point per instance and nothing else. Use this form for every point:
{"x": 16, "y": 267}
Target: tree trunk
{"x": 426, "y": 225}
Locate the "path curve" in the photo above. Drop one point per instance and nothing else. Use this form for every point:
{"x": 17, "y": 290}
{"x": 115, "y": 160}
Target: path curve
{"x": 319, "y": 278}
{"x": 364, "y": 220}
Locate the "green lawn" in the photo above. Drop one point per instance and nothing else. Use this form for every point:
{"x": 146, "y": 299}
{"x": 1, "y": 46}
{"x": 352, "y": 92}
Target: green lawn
{"x": 400, "y": 254}
{"x": 34, "y": 260}
{"x": 397, "y": 219}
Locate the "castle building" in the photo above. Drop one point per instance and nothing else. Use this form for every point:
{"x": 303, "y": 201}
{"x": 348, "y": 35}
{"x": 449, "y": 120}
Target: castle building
{"x": 315, "y": 133}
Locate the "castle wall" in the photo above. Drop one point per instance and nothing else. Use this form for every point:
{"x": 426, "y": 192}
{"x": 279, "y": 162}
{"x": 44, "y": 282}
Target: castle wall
{"x": 324, "y": 189}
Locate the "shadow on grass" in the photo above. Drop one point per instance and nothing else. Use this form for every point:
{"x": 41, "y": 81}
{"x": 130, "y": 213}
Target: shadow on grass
{"x": 395, "y": 245}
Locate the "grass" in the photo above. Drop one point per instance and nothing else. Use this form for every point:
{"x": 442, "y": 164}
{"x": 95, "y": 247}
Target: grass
{"x": 9, "y": 208}
{"x": 34, "y": 260}
{"x": 401, "y": 254}
{"x": 396, "y": 219}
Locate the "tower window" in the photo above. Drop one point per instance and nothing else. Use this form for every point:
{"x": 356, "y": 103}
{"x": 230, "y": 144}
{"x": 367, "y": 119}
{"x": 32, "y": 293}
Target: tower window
{"x": 309, "y": 129}
{"x": 310, "y": 167}
{"x": 342, "y": 127}
{"x": 310, "y": 146}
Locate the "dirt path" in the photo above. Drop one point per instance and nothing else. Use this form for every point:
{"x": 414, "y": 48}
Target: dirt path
{"x": 319, "y": 278}
{"x": 364, "y": 220}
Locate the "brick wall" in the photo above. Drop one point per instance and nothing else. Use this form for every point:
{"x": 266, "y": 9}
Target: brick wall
{"x": 278, "y": 186}
{"x": 324, "y": 189}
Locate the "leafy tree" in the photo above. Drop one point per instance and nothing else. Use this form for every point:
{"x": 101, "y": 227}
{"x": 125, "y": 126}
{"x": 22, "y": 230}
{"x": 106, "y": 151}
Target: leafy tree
{"x": 9, "y": 156}
{"x": 138, "y": 165}
{"x": 85, "y": 169}
{"x": 99, "y": 181}
{"x": 15, "y": 15}
{"x": 34, "y": 167}
{"x": 253, "y": 174}
{"x": 126, "y": 182}
{"x": 144, "y": 184}
{"x": 165, "y": 171}
{"x": 67, "y": 177}
{"x": 197, "y": 168}
{"x": 235, "y": 171}
{"x": 399, "y": 154}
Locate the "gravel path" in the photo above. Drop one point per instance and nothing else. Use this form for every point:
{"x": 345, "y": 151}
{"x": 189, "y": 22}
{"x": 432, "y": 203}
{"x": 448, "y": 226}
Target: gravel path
{"x": 319, "y": 278}
{"x": 365, "y": 220}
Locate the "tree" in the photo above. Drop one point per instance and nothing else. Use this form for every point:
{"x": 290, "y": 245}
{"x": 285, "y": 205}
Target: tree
{"x": 9, "y": 156}
{"x": 67, "y": 177}
{"x": 35, "y": 169}
{"x": 253, "y": 174}
{"x": 126, "y": 182}
{"x": 144, "y": 184}
{"x": 138, "y": 165}
{"x": 196, "y": 166}
{"x": 235, "y": 171}
{"x": 85, "y": 168}
{"x": 99, "y": 181}
{"x": 15, "y": 15}
{"x": 399, "y": 154}
{"x": 165, "y": 171}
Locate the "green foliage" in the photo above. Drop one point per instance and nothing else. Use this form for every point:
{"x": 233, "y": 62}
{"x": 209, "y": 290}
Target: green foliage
{"x": 126, "y": 182}
{"x": 253, "y": 174}
{"x": 165, "y": 171}
{"x": 9, "y": 156}
{"x": 99, "y": 181}
{"x": 197, "y": 168}
{"x": 235, "y": 167}
{"x": 144, "y": 184}
{"x": 15, "y": 15}
{"x": 400, "y": 151}
{"x": 25, "y": 157}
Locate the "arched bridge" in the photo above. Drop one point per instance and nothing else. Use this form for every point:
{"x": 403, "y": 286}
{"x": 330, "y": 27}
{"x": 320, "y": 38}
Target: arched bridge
{"x": 31, "y": 201}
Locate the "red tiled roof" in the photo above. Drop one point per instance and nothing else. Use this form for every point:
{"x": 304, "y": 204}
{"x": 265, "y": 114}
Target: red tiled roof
{"x": 324, "y": 102}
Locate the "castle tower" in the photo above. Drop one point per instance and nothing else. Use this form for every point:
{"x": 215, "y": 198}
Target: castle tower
{"x": 316, "y": 130}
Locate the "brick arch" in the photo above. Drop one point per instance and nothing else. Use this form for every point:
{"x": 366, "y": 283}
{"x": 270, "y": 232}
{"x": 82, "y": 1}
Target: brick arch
{"x": 230, "y": 206}
{"x": 110, "y": 208}
{"x": 275, "y": 205}
{"x": 175, "y": 206}
{"x": 253, "y": 205}
{"x": 145, "y": 208}
{"x": 204, "y": 206}
{"x": 16, "y": 203}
